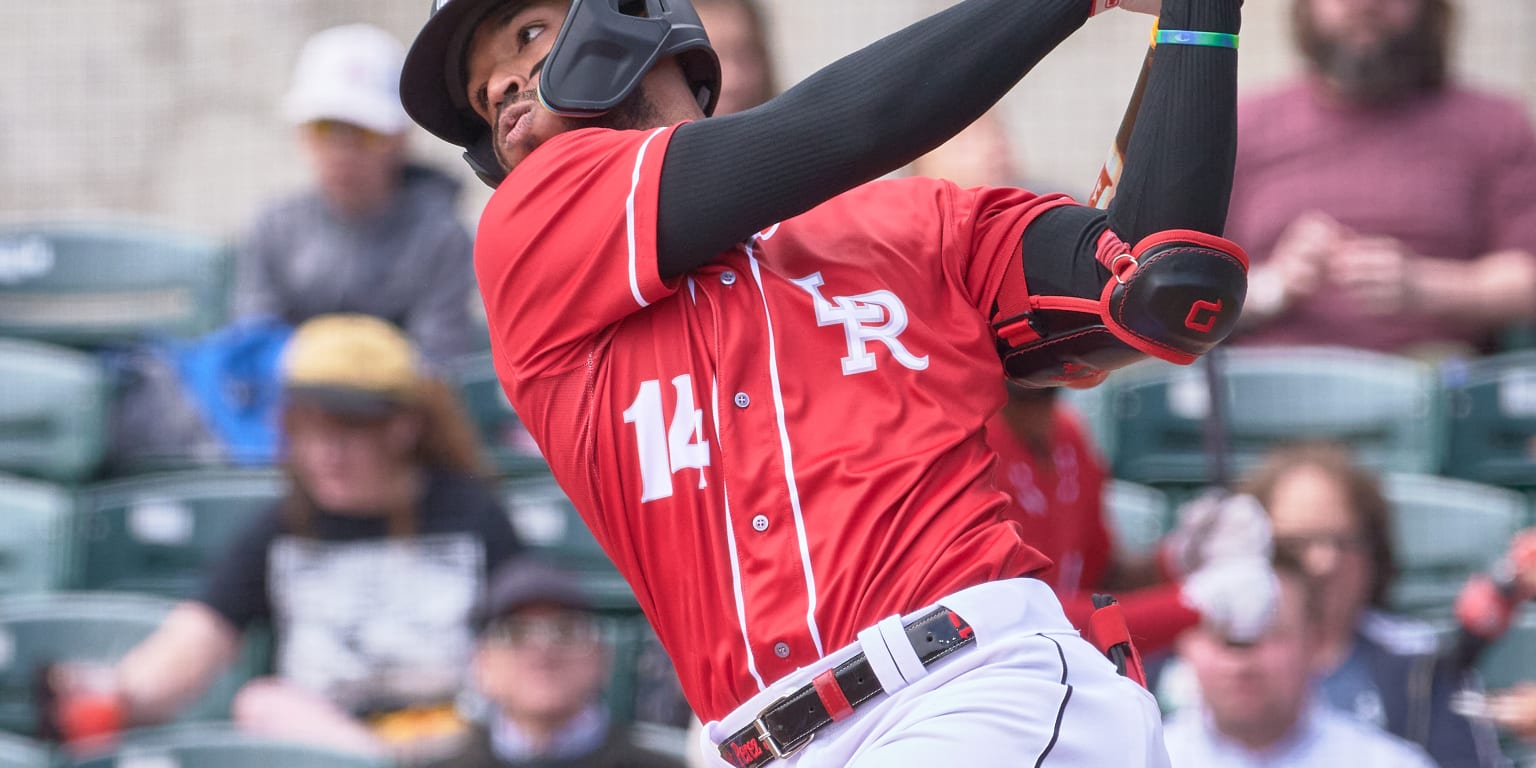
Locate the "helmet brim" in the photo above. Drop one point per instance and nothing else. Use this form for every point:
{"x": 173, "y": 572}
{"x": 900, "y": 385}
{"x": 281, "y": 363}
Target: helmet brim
{"x": 432, "y": 79}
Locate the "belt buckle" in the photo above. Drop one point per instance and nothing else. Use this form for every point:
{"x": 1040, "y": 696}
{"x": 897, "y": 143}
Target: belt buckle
{"x": 763, "y": 735}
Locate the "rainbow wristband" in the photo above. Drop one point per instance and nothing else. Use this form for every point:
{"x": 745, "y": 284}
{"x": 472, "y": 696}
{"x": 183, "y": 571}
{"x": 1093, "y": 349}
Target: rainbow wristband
{"x": 1187, "y": 37}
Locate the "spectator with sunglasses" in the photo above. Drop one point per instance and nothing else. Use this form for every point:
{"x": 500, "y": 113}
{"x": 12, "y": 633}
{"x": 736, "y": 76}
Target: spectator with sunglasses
{"x": 376, "y": 234}
{"x": 541, "y": 663}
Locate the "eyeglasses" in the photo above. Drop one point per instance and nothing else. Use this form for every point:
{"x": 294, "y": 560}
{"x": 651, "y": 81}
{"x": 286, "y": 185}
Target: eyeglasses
{"x": 336, "y": 131}
{"x": 568, "y": 631}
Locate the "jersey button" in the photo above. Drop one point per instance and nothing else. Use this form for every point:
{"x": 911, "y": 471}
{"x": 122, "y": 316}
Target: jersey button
{"x": 760, "y": 523}
{"x": 742, "y": 400}
{"x": 727, "y": 278}
{"x": 781, "y": 650}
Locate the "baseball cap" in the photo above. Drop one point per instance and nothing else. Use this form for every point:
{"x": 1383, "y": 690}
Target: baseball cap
{"x": 350, "y": 74}
{"x": 352, "y": 364}
{"x": 528, "y": 580}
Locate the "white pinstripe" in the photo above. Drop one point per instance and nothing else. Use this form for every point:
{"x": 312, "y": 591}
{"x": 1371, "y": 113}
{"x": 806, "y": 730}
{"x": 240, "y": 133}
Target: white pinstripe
{"x": 629, "y": 220}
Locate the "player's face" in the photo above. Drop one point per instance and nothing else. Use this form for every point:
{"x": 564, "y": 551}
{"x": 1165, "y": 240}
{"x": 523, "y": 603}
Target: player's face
{"x": 1256, "y": 692}
{"x": 505, "y": 55}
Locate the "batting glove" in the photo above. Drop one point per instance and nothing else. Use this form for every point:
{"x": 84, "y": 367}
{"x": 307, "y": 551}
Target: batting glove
{"x": 1235, "y": 597}
{"x": 1217, "y": 526}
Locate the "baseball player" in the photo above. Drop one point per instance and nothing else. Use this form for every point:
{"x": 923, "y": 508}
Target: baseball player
{"x": 762, "y": 376}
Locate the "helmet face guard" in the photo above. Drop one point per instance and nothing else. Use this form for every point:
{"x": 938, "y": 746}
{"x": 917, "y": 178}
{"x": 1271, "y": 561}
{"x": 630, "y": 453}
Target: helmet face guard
{"x": 606, "y": 47}
{"x": 603, "y": 51}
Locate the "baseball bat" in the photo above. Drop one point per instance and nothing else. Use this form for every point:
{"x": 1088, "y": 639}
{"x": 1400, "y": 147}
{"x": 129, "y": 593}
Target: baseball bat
{"x": 1109, "y": 175}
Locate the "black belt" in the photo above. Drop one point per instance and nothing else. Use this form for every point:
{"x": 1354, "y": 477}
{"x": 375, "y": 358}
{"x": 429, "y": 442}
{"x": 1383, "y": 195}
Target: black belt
{"x": 787, "y": 725}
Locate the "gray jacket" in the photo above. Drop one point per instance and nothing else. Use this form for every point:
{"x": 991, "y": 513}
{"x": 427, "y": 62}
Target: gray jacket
{"x": 412, "y": 264}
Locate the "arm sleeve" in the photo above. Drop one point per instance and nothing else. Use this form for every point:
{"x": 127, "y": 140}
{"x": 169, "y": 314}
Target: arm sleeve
{"x": 857, "y": 119}
{"x": 440, "y": 321}
{"x": 1178, "y": 166}
{"x": 237, "y": 585}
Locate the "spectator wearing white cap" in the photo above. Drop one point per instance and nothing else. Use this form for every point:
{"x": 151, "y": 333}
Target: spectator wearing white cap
{"x": 375, "y": 233}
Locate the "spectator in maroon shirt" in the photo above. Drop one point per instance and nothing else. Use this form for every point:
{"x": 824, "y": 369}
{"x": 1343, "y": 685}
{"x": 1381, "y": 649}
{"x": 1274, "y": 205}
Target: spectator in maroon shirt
{"x": 1385, "y": 206}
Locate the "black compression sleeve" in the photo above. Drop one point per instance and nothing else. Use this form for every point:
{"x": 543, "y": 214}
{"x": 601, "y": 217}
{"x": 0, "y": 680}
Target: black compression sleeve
{"x": 863, "y": 116}
{"x": 1178, "y": 166}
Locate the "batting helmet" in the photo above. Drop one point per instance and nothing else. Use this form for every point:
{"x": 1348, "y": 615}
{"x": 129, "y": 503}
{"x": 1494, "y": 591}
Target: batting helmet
{"x": 603, "y": 50}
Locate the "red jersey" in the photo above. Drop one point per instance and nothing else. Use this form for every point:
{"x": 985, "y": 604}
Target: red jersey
{"x": 782, "y": 447}
{"x": 1059, "y": 507}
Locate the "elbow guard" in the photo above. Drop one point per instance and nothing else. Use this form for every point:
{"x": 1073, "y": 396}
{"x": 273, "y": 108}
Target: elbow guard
{"x": 1174, "y": 296}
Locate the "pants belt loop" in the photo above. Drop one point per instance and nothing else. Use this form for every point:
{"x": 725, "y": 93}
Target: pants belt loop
{"x": 900, "y": 646}
{"x": 880, "y": 660}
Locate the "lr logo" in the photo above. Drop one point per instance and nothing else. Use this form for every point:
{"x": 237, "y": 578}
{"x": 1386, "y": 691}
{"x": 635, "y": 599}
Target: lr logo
{"x": 1202, "y": 316}
{"x": 874, "y": 316}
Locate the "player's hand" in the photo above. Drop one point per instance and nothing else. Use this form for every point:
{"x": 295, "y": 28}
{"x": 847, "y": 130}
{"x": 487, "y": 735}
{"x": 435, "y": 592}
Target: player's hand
{"x": 1235, "y": 597}
{"x": 1153, "y": 7}
{"x": 1215, "y": 526}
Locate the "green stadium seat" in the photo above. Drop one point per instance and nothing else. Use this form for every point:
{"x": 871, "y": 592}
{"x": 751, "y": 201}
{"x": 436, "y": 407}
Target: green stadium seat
{"x": 1493, "y": 420}
{"x": 37, "y": 553}
{"x": 501, "y": 432}
{"x": 211, "y": 745}
{"x": 1387, "y": 408}
{"x": 1444, "y": 531}
{"x": 1513, "y": 658}
{"x": 548, "y": 523}
{"x": 158, "y": 533}
{"x": 92, "y": 627}
{"x": 53, "y": 411}
{"x": 93, "y": 283}
{"x": 1138, "y": 516}
{"x": 21, "y": 752}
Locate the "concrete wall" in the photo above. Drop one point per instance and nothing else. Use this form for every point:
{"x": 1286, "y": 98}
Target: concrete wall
{"x": 168, "y": 108}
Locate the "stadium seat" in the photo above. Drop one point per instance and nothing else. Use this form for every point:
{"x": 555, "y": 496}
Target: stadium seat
{"x": 1385, "y": 407}
{"x": 1513, "y": 658}
{"x": 501, "y": 433}
{"x": 36, "y": 543}
{"x": 1138, "y": 515}
{"x": 91, "y": 627}
{"x": 94, "y": 283}
{"x": 53, "y": 411}
{"x": 548, "y": 523}
{"x": 211, "y": 745}
{"x": 22, "y": 752}
{"x": 1493, "y": 420}
{"x": 158, "y": 533}
{"x": 1445, "y": 530}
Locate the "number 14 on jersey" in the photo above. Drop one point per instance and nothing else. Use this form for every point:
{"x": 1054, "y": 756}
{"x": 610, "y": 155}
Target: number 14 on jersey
{"x": 666, "y": 448}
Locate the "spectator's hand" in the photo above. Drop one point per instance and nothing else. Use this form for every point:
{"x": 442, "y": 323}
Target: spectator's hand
{"x": 1522, "y": 559}
{"x": 1302, "y": 252}
{"x": 1376, "y": 273}
{"x": 1215, "y": 526}
{"x": 76, "y": 701}
{"x": 1235, "y": 597}
{"x": 1514, "y": 710}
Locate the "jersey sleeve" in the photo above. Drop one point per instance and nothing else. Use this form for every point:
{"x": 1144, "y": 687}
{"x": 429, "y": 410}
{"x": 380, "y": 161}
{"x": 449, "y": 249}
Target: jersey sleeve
{"x": 567, "y": 246}
{"x": 985, "y": 229}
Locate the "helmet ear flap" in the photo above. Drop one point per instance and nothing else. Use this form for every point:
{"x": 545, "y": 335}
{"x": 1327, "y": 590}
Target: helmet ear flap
{"x": 481, "y": 156}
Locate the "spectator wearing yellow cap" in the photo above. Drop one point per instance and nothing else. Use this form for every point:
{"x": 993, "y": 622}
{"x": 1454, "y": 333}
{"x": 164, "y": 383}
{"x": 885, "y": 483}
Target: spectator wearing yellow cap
{"x": 368, "y": 570}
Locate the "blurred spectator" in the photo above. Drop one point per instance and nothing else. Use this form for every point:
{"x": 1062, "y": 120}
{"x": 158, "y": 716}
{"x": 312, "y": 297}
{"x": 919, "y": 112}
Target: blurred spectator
{"x": 1213, "y": 567}
{"x": 1385, "y": 205}
{"x": 368, "y": 571}
{"x": 375, "y": 234}
{"x": 1330, "y": 513}
{"x": 542, "y": 662}
{"x": 1257, "y": 707}
{"x": 739, "y": 33}
{"x": 1514, "y": 710}
{"x": 982, "y": 155}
